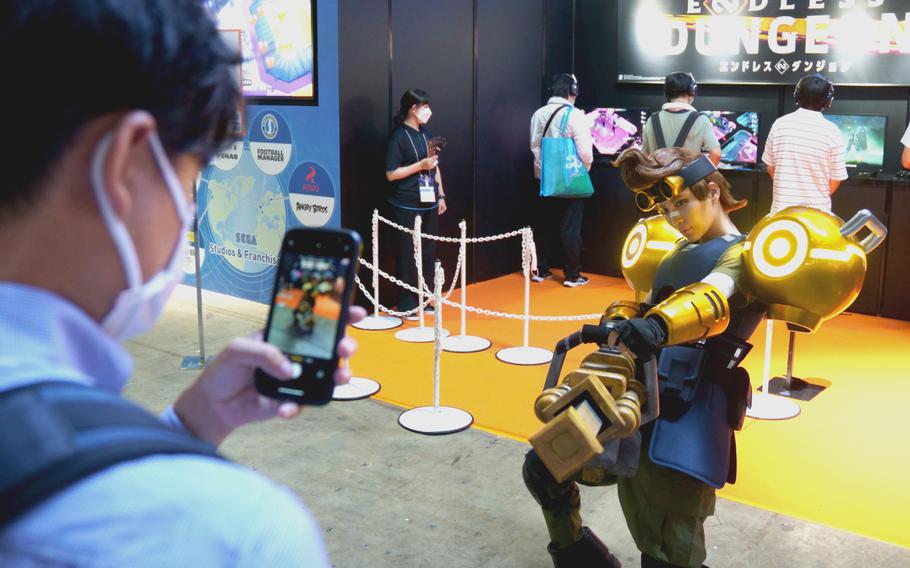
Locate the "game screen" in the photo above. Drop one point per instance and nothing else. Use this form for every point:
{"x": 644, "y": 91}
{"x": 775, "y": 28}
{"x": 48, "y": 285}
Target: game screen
{"x": 737, "y": 133}
{"x": 278, "y": 43}
{"x": 307, "y": 305}
{"x": 616, "y": 129}
{"x": 864, "y": 138}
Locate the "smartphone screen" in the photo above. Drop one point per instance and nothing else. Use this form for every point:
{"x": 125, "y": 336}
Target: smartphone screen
{"x": 308, "y": 314}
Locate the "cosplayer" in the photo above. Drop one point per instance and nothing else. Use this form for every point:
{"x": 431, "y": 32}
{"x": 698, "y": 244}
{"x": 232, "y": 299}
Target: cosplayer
{"x": 700, "y": 280}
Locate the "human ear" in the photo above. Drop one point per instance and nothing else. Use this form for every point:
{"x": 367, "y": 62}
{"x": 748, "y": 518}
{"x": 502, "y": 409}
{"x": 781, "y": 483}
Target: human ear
{"x": 127, "y": 139}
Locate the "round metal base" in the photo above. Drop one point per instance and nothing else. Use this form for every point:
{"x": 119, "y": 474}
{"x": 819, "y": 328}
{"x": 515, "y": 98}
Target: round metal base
{"x": 378, "y": 323}
{"x": 430, "y": 420}
{"x": 524, "y": 355}
{"x": 419, "y": 334}
{"x": 771, "y": 407}
{"x": 465, "y": 344}
{"x": 357, "y": 389}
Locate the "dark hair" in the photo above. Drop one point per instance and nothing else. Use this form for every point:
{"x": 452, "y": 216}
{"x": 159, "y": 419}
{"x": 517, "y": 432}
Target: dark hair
{"x": 640, "y": 171}
{"x": 563, "y": 85}
{"x": 410, "y": 98}
{"x": 679, "y": 84}
{"x": 163, "y": 56}
{"x": 814, "y": 92}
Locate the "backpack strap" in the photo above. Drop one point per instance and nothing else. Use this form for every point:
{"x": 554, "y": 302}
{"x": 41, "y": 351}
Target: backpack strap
{"x": 658, "y": 131}
{"x": 683, "y": 132}
{"x": 54, "y": 434}
{"x": 686, "y": 128}
{"x": 552, "y": 116}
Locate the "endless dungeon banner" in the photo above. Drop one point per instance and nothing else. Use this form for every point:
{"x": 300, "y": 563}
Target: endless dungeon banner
{"x": 765, "y": 41}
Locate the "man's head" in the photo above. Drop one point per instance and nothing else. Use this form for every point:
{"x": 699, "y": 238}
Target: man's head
{"x": 680, "y": 87}
{"x": 564, "y": 85}
{"x": 814, "y": 92}
{"x": 129, "y": 72}
{"x": 697, "y": 207}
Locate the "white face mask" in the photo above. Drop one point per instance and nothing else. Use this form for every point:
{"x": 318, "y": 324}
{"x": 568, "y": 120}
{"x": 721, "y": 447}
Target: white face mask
{"x": 423, "y": 114}
{"x": 138, "y": 307}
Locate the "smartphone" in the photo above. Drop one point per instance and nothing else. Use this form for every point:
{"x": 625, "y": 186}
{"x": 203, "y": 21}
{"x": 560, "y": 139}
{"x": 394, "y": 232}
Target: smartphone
{"x": 309, "y": 311}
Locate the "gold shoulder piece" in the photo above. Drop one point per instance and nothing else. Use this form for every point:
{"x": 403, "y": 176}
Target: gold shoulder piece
{"x": 694, "y": 312}
{"x": 646, "y": 245}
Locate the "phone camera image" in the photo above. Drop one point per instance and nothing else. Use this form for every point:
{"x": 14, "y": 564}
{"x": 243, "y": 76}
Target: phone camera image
{"x": 308, "y": 306}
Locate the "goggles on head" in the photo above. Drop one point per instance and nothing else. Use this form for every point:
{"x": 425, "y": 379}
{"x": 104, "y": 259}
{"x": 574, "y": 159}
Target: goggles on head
{"x": 671, "y": 186}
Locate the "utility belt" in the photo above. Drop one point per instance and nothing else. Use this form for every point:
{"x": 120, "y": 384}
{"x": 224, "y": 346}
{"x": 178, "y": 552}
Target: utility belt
{"x": 681, "y": 368}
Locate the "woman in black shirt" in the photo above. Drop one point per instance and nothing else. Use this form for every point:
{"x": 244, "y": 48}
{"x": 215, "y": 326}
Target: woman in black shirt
{"x": 413, "y": 168}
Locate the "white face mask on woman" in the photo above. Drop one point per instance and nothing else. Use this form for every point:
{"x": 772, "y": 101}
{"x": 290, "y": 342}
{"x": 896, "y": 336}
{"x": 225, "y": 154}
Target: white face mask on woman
{"x": 138, "y": 307}
{"x": 423, "y": 114}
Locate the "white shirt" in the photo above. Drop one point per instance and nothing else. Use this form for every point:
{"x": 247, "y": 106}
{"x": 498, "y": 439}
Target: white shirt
{"x": 807, "y": 154}
{"x": 906, "y": 139}
{"x": 577, "y": 129}
{"x": 161, "y": 510}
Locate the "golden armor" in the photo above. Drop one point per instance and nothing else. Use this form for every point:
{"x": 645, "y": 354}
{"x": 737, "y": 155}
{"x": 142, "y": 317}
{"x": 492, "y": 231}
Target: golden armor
{"x": 647, "y": 244}
{"x": 807, "y": 265}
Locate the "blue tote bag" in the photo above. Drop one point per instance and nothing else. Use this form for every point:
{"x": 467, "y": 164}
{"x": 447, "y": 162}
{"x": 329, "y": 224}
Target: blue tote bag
{"x": 562, "y": 173}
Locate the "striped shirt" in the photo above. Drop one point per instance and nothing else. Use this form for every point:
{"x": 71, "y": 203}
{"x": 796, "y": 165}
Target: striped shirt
{"x": 807, "y": 154}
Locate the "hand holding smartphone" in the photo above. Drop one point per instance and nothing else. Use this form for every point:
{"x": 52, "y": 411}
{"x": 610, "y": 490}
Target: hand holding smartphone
{"x": 309, "y": 310}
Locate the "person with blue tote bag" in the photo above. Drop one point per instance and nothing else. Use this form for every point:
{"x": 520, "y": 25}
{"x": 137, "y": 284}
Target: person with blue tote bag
{"x": 563, "y": 152}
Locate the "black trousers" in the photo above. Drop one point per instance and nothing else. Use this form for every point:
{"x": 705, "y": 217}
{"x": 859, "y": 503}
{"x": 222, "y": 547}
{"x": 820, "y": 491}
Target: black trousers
{"x": 559, "y": 223}
{"x": 407, "y": 269}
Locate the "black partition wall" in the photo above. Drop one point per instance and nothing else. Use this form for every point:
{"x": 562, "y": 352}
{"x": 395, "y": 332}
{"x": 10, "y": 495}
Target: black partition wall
{"x": 611, "y": 213}
{"x": 482, "y": 62}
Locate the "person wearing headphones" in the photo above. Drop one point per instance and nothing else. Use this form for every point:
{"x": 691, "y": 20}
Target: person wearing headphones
{"x": 804, "y": 151}
{"x": 678, "y": 124}
{"x": 565, "y": 211}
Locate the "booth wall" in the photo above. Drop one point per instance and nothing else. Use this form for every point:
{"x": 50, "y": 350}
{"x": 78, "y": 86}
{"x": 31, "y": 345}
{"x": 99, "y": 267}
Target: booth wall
{"x": 244, "y": 209}
{"x": 483, "y": 65}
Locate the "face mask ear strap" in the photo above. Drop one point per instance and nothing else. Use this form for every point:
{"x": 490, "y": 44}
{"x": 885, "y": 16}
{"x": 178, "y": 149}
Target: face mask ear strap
{"x": 170, "y": 178}
{"x": 129, "y": 259}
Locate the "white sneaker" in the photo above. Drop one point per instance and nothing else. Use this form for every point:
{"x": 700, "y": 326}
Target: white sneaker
{"x": 575, "y": 282}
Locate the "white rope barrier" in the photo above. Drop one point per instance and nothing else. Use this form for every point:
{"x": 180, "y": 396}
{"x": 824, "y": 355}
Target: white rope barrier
{"x": 376, "y": 322}
{"x": 472, "y": 309}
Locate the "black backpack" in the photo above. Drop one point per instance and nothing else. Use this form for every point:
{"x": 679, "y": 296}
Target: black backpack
{"x": 53, "y": 434}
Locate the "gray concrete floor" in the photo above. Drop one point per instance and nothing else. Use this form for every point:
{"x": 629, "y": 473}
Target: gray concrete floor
{"x": 386, "y": 497}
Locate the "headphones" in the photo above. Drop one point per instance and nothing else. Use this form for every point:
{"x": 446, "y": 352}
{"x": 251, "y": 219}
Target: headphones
{"x": 829, "y": 88}
{"x": 573, "y": 88}
{"x": 573, "y": 83}
{"x": 692, "y": 88}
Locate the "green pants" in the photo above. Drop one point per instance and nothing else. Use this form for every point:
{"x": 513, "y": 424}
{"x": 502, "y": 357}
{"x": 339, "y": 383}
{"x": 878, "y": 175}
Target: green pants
{"x": 665, "y": 509}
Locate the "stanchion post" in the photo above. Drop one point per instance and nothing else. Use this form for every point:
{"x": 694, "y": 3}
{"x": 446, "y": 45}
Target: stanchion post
{"x": 526, "y": 268}
{"x": 438, "y": 279}
{"x": 193, "y": 362}
{"x": 464, "y": 272}
{"x": 375, "y": 241}
{"x": 418, "y": 258}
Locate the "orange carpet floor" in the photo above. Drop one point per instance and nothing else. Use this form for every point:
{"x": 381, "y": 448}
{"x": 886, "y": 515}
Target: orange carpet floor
{"x": 843, "y": 462}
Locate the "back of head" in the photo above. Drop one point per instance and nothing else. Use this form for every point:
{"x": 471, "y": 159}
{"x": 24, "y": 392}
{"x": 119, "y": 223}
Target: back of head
{"x": 564, "y": 85}
{"x": 641, "y": 171}
{"x": 814, "y": 92}
{"x": 679, "y": 84}
{"x": 410, "y": 98}
{"x": 163, "y": 56}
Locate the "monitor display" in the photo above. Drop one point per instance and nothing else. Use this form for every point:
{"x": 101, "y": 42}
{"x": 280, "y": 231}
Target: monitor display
{"x": 616, "y": 129}
{"x": 864, "y": 139}
{"x": 737, "y": 133}
{"x": 278, "y": 43}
